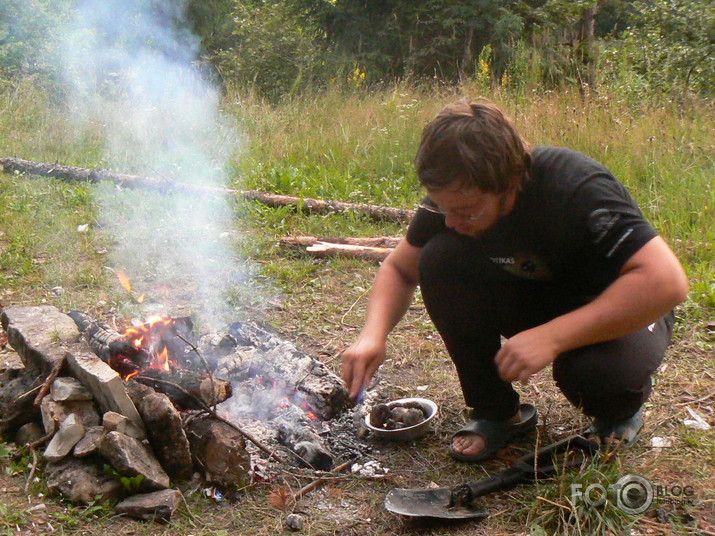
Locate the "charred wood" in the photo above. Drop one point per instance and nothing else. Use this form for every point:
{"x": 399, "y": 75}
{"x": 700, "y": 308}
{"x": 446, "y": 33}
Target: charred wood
{"x": 112, "y": 347}
{"x": 186, "y": 388}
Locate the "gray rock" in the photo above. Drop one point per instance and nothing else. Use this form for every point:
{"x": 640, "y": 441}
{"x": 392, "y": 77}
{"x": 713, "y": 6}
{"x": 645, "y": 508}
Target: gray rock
{"x": 81, "y": 481}
{"x": 131, "y": 458}
{"x": 29, "y": 433}
{"x": 70, "y": 432}
{"x": 104, "y": 383}
{"x": 165, "y": 430}
{"x": 85, "y": 410}
{"x": 115, "y": 422}
{"x": 65, "y": 389}
{"x": 89, "y": 444}
{"x": 156, "y": 506}
{"x": 220, "y": 450}
{"x": 294, "y": 522}
{"x": 39, "y": 334}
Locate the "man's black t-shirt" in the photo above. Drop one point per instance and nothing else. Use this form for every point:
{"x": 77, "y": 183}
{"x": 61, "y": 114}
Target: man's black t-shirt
{"x": 573, "y": 225}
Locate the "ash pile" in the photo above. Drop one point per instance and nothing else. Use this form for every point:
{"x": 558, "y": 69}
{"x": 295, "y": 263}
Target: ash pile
{"x": 157, "y": 406}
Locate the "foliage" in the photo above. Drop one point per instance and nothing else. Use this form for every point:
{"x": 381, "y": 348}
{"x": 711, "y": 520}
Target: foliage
{"x": 269, "y": 50}
{"x": 130, "y": 484}
{"x": 671, "y": 45}
{"x": 29, "y": 32}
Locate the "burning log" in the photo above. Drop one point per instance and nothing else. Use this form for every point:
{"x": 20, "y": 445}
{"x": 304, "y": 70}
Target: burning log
{"x": 317, "y": 206}
{"x": 108, "y": 344}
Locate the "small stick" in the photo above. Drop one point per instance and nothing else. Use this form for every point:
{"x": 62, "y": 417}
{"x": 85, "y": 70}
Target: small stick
{"x": 315, "y": 483}
{"x": 32, "y": 446}
{"x": 51, "y": 377}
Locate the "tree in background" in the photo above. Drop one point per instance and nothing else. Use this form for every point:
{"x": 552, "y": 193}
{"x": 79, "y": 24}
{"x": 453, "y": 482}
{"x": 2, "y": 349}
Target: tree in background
{"x": 670, "y": 45}
{"x": 29, "y": 31}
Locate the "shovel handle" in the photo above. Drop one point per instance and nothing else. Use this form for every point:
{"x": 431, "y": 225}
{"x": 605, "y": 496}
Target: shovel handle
{"x": 503, "y": 481}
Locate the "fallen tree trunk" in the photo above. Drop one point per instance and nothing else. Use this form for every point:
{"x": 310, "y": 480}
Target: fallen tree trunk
{"x": 305, "y": 204}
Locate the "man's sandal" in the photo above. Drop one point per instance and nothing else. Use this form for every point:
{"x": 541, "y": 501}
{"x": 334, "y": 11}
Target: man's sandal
{"x": 496, "y": 434}
{"x": 625, "y": 432}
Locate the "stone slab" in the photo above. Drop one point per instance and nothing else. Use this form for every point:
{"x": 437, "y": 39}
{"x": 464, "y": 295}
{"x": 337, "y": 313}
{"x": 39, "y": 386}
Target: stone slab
{"x": 40, "y": 335}
{"x": 104, "y": 383}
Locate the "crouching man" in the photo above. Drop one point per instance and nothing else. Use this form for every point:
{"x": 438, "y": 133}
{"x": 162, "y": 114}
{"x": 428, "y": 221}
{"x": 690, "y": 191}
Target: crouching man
{"x": 542, "y": 246}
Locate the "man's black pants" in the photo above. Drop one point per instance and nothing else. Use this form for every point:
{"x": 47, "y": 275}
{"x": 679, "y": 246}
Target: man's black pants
{"x": 472, "y": 303}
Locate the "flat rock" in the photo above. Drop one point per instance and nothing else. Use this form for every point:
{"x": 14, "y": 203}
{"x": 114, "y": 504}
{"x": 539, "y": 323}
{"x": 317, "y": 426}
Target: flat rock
{"x": 131, "y": 458}
{"x": 89, "y": 444}
{"x": 40, "y": 335}
{"x": 66, "y": 389}
{"x": 81, "y": 481}
{"x": 70, "y": 432}
{"x": 106, "y": 386}
{"x": 85, "y": 410}
{"x": 116, "y": 422}
{"x": 156, "y": 506}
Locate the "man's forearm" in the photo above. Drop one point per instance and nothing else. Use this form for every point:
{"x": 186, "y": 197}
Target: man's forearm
{"x": 635, "y": 300}
{"x": 390, "y": 298}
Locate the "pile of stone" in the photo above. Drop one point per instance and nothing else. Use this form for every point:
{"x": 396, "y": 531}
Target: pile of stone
{"x": 96, "y": 421}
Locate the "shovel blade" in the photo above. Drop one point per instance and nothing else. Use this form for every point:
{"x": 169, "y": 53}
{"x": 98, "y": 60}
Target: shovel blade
{"x": 432, "y": 502}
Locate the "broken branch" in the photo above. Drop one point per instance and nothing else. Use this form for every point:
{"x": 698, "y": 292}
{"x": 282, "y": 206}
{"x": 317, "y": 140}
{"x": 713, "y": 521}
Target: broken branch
{"x": 51, "y": 377}
{"x": 315, "y": 483}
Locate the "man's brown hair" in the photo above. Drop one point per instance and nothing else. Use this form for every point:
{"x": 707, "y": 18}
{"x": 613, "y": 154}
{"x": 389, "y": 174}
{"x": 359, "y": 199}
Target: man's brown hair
{"x": 472, "y": 144}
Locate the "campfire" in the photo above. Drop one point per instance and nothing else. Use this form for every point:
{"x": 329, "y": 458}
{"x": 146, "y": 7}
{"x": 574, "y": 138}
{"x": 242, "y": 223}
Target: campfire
{"x": 161, "y": 405}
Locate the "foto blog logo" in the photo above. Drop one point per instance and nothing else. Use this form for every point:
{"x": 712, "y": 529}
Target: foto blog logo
{"x": 632, "y": 494}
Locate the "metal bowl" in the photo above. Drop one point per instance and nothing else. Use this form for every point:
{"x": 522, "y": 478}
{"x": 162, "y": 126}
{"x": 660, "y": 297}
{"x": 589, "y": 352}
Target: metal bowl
{"x": 410, "y": 432}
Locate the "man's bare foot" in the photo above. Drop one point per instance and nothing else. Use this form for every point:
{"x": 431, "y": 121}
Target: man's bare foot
{"x": 470, "y": 444}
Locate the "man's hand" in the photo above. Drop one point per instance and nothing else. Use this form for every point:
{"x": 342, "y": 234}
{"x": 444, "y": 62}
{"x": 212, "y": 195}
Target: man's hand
{"x": 526, "y": 353}
{"x": 360, "y": 361}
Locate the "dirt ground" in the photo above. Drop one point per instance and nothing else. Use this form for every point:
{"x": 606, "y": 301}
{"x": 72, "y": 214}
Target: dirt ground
{"x": 350, "y": 504}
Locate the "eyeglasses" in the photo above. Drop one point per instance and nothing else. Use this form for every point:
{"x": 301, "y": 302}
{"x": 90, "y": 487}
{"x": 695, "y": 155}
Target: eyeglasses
{"x": 453, "y": 213}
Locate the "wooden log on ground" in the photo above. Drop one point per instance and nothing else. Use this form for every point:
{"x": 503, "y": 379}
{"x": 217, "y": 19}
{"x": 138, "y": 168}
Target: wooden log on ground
{"x": 368, "y": 241}
{"x": 305, "y": 204}
{"x": 330, "y": 249}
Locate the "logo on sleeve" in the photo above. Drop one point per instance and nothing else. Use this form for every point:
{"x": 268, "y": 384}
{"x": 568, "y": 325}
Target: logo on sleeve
{"x": 600, "y": 222}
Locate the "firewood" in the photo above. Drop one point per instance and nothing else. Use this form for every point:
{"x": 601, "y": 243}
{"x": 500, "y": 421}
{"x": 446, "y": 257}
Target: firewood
{"x": 317, "y": 206}
{"x": 51, "y": 377}
{"x": 107, "y": 343}
{"x": 193, "y": 384}
{"x": 328, "y": 249}
{"x": 369, "y": 241}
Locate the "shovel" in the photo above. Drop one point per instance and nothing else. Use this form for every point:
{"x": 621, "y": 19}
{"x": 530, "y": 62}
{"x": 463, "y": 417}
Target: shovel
{"x": 459, "y": 502}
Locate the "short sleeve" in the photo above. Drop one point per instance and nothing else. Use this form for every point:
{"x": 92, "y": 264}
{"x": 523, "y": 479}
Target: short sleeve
{"x": 424, "y": 225}
{"x": 608, "y": 224}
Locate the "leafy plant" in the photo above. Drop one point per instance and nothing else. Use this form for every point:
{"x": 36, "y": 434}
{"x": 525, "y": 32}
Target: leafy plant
{"x": 131, "y": 484}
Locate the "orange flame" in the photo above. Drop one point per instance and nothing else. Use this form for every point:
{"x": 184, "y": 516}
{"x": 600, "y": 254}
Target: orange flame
{"x": 124, "y": 280}
{"x": 148, "y": 337}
